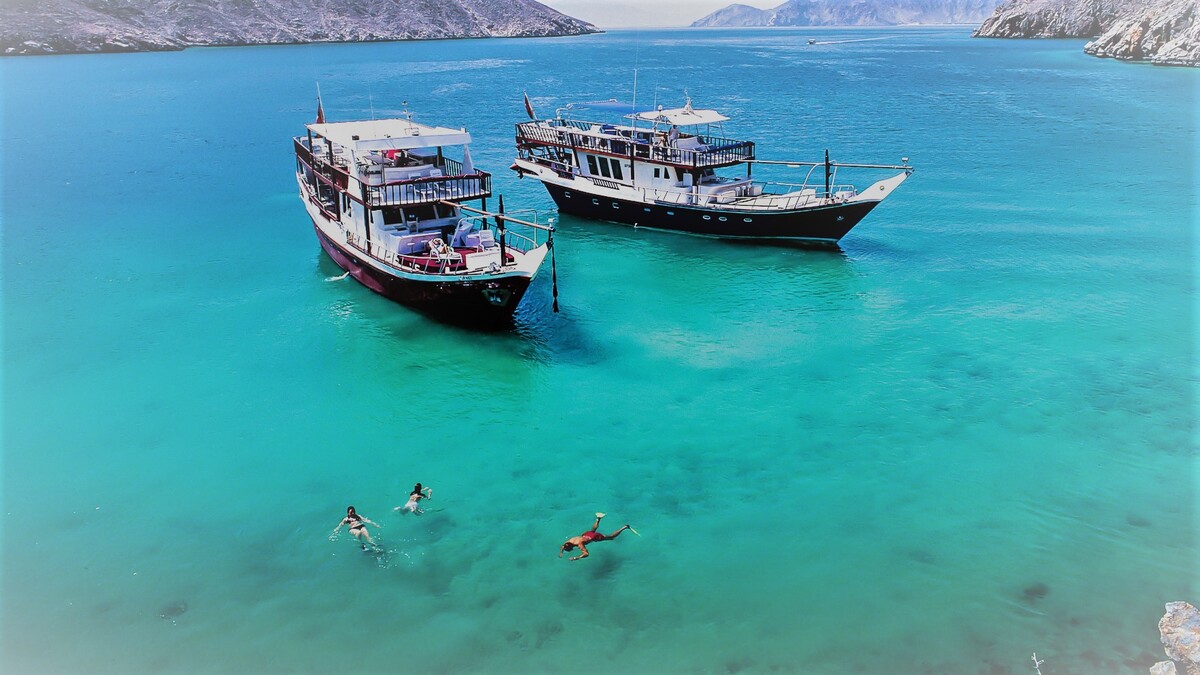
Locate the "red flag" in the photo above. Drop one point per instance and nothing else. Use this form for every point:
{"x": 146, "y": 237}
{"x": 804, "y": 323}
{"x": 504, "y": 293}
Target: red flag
{"x": 529, "y": 108}
{"x": 320, "y": 112}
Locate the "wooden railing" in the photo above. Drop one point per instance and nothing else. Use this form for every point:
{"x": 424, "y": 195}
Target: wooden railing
{"x": 453, "y": 185}
{"x": 432, "y": 189}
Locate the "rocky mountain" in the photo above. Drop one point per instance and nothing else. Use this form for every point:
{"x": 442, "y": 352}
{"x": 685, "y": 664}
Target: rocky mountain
{"x": 1165, "y": 32}
{"x": 735, "y": 15}
{"x": 74, "y": 26}
{"x": 852, "y": 13}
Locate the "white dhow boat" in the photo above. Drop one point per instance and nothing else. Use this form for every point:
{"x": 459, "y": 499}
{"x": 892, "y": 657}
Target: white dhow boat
{"x": 386, "y": 203}
{"x": 663, "y": 174}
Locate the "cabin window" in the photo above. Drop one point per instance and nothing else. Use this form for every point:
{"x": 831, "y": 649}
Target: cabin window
{"x": 592, "y": 166}
{"x": 604, "y": 168}
{"x": 656, "y": 173}
{"x": 392, "y": 216}
{"x": 617, "y": 170}
{"x": 420, "y": 212}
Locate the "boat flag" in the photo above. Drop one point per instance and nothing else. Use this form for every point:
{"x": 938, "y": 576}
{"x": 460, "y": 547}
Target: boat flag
{"x": 529, "y": 107}
{"x": 320, "y": 111}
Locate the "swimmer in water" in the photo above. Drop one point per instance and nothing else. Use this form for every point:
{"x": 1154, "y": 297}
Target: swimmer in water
{"x": 414, "y": 497}
{"x": 589, "y": 537}
{"x": 358, "y": 527}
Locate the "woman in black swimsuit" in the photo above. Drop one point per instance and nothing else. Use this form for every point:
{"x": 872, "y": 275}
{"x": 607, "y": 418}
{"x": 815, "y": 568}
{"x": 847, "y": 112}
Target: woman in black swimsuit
{"x": 358, "y": 526}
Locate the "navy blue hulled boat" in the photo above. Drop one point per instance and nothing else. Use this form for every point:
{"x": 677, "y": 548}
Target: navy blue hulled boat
{"x": 663, "y": 174}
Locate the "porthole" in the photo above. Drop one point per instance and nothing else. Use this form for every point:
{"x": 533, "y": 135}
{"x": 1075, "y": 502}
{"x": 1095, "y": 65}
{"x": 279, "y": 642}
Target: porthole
{"x": 616, "y": 205}
{"x": 596, "y": 202}
{"x": 722, "y": 219}
{"x": 670, "y": 213}
{"x": 708, "y": 217}
{"x": 747, "y": 220}
{"x": 647, "y": 209}
{"x": 567, "y": 195}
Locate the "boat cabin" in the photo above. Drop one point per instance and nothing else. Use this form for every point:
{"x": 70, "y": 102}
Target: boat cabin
{"x": 676, "y": 150}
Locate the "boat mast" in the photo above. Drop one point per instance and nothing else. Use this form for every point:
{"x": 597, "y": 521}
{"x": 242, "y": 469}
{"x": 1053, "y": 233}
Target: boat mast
{"x": 500, "y": 224}
{"x": 827, "y": 173}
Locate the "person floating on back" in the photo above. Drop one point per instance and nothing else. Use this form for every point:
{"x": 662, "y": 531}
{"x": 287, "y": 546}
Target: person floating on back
{"x": 414, "y": 497}
{"x": 589, "y": 537}
{"x": 358, "y": 527}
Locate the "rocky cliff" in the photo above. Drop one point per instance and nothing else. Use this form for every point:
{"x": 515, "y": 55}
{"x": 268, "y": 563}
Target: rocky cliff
{"x": 73, "y": 26}
{"x": 1052, "y": 18}
{"x": 852, "y": 13}
{"x": 1165, "y": 32}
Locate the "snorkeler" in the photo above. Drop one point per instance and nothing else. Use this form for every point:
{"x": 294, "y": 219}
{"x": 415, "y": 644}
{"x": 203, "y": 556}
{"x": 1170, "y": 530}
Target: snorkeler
{"x": 415, "y": 496}
{"x": 591, "y": 536}
{"x": 358, "y": 527}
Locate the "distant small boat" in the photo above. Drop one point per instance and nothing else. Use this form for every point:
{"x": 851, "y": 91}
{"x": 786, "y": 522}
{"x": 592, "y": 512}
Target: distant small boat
{"x": 663, "y": 174}
{"x": 811, "y": 41}
{"x": 385, "y": 201}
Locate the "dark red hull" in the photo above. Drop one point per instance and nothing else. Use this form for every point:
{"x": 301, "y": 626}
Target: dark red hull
{"x": 488, "y": 301}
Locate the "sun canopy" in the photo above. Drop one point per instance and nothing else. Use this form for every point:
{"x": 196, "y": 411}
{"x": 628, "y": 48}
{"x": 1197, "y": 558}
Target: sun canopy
{"x": 685, "y": 116}
{"x": 389, "y": 134}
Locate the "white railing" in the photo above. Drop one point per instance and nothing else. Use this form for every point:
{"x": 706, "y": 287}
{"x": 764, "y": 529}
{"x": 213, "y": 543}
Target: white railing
{"x": 446, "y": 264}
{"x": 755, "y": 196}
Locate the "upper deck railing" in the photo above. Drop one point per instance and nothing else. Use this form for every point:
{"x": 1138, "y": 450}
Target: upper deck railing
{"x": 433, "y": 189}
{"x": 449, "y": 183}
{"x": 695, "y": 151}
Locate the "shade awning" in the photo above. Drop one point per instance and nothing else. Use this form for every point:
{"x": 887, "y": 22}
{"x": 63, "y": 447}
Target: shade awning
{"x": 686, "y": 116}
{"x": 389, "y": 134}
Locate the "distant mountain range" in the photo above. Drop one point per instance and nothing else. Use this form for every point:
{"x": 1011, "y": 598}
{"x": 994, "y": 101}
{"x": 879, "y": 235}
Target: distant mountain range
{"x": 1165, "y": 32}
{"x": 73, "y": 26}
{"x": 852, "y": 13}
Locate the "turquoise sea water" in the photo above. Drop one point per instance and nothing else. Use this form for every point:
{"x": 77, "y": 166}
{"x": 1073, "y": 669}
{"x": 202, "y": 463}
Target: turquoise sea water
{"x": 965, "y": 437}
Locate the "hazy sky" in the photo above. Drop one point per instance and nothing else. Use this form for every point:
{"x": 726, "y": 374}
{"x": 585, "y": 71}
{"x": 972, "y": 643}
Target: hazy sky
{"x": 631, "y": 13}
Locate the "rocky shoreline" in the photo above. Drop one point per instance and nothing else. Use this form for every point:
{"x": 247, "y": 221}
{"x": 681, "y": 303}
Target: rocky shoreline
{"x": 1162, "y": 32}
{"x": 100, "y": 26}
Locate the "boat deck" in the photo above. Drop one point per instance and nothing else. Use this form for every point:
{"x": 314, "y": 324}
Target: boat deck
{"x": 432, "y": 264}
